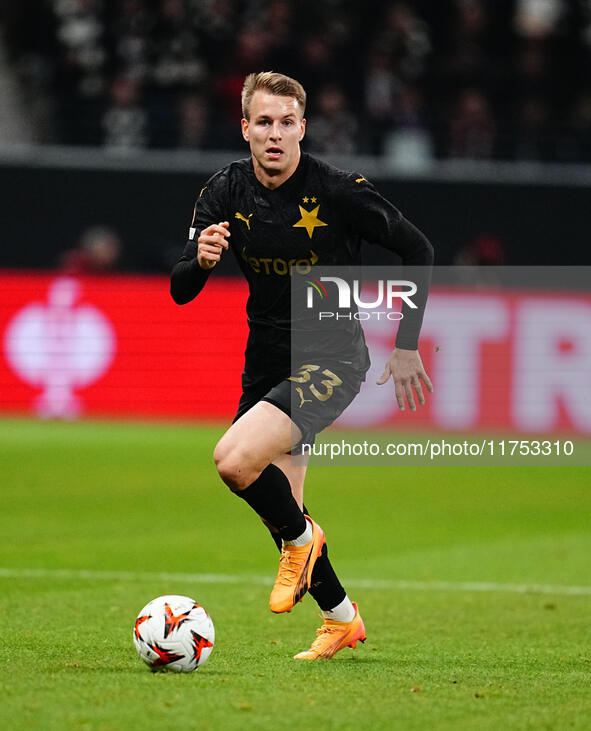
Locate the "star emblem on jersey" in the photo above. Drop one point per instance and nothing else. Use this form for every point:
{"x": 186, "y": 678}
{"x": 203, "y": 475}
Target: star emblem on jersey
{"x": 309, "y": 220}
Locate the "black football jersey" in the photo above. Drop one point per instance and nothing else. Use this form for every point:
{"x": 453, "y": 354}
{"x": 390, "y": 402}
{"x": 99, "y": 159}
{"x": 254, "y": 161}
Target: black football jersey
{"x": 318, "y": 217}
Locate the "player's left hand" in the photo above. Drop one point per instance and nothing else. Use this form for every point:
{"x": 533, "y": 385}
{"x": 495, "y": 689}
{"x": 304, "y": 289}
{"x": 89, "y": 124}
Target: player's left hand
{"x": 407, "y": 371}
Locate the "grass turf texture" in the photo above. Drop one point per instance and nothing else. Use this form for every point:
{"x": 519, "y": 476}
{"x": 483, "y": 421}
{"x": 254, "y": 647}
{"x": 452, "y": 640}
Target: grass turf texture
{"x": 145, "y": 499}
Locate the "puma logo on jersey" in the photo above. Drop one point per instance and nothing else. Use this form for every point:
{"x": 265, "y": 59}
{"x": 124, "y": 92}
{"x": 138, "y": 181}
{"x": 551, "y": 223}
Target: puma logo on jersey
{"x": 240, "y": 217}
{"x": 301, "y": 395}
{"x": 359, "y": 180}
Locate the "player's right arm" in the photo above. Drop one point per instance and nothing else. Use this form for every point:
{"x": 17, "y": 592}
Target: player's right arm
{"x": 208, "y": 238}
{"x": 210, "y": 244}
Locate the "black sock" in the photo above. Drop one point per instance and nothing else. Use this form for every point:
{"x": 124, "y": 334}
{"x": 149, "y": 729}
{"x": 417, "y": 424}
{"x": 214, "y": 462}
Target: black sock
{"x": 325, "y": 587}
{"x": 270, "y": 497}
{"x": 276, "y": 537}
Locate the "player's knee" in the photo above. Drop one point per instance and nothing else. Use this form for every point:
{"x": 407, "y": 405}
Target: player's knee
{"x": 233, "y": 467}
{"x": 223, "y": 462}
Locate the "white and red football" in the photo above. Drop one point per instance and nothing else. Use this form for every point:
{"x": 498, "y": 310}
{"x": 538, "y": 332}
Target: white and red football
{"x": 173, "y": 632}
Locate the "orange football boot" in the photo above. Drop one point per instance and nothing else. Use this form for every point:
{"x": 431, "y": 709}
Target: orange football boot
{"x": 295, "y": 571}
{"x": 333, "y": 636}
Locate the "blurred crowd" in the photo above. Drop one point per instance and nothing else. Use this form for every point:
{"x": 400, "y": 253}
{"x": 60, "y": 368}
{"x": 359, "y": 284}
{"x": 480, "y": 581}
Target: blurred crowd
{"x": 411, "y": 81}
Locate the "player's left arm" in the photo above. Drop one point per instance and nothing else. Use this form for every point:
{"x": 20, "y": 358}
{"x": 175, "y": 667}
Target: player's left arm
{"x": 378, "y": 221}
{"x": 416, "y": 253}
{"x": 405, "y": 366}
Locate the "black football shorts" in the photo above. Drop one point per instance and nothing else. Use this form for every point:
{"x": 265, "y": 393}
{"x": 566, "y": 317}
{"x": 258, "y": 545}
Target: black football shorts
{"x": 313, "y": 395}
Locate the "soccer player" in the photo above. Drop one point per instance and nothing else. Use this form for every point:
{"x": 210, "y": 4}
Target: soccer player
{"x": 281, "y": 212}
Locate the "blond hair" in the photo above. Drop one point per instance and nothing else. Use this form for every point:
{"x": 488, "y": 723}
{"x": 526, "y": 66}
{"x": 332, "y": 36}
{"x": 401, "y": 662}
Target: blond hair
{"x": 273, "y": 83}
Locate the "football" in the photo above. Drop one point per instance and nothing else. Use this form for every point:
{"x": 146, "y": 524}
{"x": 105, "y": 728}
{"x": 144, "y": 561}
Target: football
{"x": 173, "y": 632}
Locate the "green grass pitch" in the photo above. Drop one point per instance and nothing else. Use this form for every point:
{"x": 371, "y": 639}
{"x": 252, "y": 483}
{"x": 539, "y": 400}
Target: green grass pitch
{"x": 99, "y": 518}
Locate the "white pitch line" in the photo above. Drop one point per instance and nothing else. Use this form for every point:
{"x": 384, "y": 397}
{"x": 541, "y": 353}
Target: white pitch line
{"x": 379, "y": 584}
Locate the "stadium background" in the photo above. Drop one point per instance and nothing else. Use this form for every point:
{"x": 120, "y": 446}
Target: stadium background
{"x": 474, "y": 118}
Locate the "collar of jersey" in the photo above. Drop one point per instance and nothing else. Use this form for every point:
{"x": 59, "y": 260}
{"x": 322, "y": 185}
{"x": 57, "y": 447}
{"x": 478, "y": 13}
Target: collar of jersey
{"x": 290, "y": 183}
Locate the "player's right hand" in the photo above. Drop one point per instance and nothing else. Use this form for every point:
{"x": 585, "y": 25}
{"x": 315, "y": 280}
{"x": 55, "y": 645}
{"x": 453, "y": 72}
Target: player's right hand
{"x": 211, "y": 242}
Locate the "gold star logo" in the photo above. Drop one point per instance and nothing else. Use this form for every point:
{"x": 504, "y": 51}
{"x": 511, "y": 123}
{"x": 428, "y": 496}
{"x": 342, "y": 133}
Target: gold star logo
{"x": 313, "y": 199}
{"x": 305, "y": 199}
{"x": 309, "y": 220}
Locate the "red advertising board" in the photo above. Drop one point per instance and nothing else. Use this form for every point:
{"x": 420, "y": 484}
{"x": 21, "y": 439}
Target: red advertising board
{"x": 517, "y": 360}
{"x": 119, "y": 346}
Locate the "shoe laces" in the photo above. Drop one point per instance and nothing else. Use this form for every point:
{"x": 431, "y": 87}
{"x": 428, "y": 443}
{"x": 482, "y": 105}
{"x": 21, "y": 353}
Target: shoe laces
{"x": 289, "y": 565}
{"x": 323, "y": 632}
